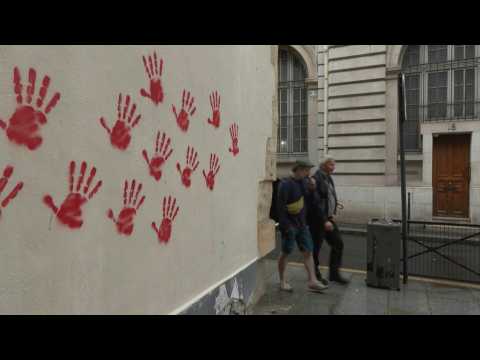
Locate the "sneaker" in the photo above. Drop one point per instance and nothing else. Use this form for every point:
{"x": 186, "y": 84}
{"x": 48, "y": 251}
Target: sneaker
{"x": 317, "y": 287}
{"x": 339, "y": 279}
{"x": 284, "y": 286}
{"x": 318, "y": 274}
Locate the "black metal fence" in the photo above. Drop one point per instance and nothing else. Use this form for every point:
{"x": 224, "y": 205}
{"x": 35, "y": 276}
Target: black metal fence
{"x": 444, "y": 250}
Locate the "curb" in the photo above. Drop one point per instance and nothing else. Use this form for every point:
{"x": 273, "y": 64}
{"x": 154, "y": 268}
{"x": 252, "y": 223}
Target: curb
{"x": 345, "y": 229}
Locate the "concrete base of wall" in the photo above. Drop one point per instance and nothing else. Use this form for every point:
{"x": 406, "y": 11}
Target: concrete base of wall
{"x": 235, "y": 296}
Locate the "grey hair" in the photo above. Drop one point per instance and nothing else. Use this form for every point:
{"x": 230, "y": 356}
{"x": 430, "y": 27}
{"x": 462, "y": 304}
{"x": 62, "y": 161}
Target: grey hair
{"x": 326, "y": 159}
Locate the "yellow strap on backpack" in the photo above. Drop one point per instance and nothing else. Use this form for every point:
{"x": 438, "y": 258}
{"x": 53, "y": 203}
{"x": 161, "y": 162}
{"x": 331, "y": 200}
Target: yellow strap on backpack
{"x": 296, "y": 207}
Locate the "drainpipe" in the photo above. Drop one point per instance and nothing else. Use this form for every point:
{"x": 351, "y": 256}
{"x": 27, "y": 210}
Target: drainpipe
{"x": 325, "y": 100}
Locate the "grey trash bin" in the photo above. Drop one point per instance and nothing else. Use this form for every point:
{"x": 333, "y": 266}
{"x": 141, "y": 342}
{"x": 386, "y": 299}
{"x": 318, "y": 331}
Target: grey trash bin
{"x": 383, "y": 254}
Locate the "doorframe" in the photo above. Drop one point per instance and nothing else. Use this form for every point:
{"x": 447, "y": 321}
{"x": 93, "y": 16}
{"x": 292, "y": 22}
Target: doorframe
{"x": 469, "y": 164}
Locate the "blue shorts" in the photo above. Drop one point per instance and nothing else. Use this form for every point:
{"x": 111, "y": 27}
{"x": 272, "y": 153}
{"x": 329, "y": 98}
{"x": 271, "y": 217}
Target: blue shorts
{"x": 301, "y": 236}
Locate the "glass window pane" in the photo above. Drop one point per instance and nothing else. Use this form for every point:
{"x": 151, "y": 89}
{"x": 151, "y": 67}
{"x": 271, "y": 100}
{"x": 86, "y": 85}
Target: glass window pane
{"x": 469, "y": 51}
{"x": 296, "y": 94}
{"x": 459, "y": 52}
{"x": 469, "y": 92}
{"x": 412, "y": 56}
{"x": 469, "y": 76}
{"x": 304, "y": 121}
{"x": 437, "y": 95}
{"x": 297, "y": 146}
{"x": 458, "y": 93}
{"x": 292, "y": 103}
{"x": 437, "y": 53}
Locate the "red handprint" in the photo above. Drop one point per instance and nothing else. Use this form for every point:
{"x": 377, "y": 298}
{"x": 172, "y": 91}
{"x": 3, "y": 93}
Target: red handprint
{"x": 234, "y": 135}
{"x": 187, "y": 105}
{"x": 120, "y": 134}
{"x": 7, "y": 173}
{"x": 214, "y": 168}
{"x": 130, "y": 208}
{"x": 169, "y": 214}
{"x": 215, "y": 104}
{"x": 70, "y": 212}
{"x": 192, "y": 164}
{"x": 154, "y": 71}
{"x": 25, "y": 122}
{"x": 161, "y": 156}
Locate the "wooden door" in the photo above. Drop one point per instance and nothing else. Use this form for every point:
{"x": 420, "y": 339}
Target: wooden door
{"x": 451, "y": 175}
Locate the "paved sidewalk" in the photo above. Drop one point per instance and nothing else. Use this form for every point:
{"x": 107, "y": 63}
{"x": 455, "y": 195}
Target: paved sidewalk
{"x": 416, "y": 298}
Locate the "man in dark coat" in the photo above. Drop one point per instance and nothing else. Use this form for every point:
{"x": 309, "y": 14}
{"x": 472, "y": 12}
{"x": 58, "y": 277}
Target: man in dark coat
{"x": 323, "y": 225}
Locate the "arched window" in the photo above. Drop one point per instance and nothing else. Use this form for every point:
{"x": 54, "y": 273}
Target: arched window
{"x": 440, "y": 84}
{"x": 292, "y": 102}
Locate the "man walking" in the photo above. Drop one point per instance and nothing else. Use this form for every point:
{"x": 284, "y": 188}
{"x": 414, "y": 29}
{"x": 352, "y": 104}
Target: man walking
{"x": 293, "y": 226}
{"x": 324, "y": 225}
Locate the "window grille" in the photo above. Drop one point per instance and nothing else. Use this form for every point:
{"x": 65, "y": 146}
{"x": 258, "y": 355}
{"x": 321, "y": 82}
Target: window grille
{"x": 441, "y": 85}
{"x": 293, "y": 111}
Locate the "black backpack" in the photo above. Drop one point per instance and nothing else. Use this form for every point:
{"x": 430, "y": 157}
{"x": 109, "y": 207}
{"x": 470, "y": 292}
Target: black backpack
{"x": 273, "y": 206}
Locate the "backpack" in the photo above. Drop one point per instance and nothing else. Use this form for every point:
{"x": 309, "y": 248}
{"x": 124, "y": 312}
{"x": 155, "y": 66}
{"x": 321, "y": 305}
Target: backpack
{"x": 273, "y": 206}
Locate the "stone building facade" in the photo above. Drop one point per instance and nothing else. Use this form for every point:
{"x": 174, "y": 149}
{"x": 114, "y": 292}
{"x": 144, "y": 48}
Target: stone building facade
{"x": 353, "y": 116}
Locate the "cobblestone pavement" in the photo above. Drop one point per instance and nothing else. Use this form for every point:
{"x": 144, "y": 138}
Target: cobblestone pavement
{"x": 415, "y": 298}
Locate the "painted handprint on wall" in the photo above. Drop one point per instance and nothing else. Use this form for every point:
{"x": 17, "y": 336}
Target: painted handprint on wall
{"x": 170, "y": 211}
{"x": 188, "y": 109}
{"x": 7, "y": 173}
{"x": 162, "y": 153}
{"x": 214, "y": 168}
{"x": 234, "y": 135}
{"x": 191, "y": 166}
{"x": 154, "y": 70}
{"x": 24, "y": 125}
{"x": 70, "y": 212}
{"x": 120, "y": 134}
{"x": 215, "y": 104}
{"x": 131, "y": 205}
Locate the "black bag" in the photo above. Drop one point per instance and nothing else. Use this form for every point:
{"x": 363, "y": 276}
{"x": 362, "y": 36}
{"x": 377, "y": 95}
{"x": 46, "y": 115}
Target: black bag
{"x": 273, "y": 206}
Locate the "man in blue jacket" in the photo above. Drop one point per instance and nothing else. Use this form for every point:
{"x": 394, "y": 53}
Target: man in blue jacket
{"x": 291, "y": 211}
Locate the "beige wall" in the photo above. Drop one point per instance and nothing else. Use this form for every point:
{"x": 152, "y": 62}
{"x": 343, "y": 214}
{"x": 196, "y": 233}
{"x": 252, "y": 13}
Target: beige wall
{"x": 46, "y": 267}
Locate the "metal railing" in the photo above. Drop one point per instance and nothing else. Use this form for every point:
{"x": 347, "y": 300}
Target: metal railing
{"x": 444, "y": 250}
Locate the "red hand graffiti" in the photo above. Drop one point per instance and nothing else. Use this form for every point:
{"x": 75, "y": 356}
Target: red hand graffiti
{"x": 25, "y": 122}
{"x": 130, "y": 208}
{"x": 120, "y": 134}
{"x": 154, "y": 71}
{"x": 234, "y": 135}
{"x": 187, "y": 109}
{"x": 161, "y": 156}
{"x": 214, "y": 168}
{"x": 215, "y": 104}
{"x": 7, "y": 173}
{"x": 169, "y": 214}
{"x": 192, "y": 164}
{"x": 70, "y": 212}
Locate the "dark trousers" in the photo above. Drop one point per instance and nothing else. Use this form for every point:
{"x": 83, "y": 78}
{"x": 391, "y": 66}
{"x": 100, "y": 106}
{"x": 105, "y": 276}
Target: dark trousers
{"x": 334, "y": 240}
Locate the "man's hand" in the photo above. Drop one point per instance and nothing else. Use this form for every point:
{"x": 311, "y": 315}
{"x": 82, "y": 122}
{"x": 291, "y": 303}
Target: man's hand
{"x": 328, "y": 226}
